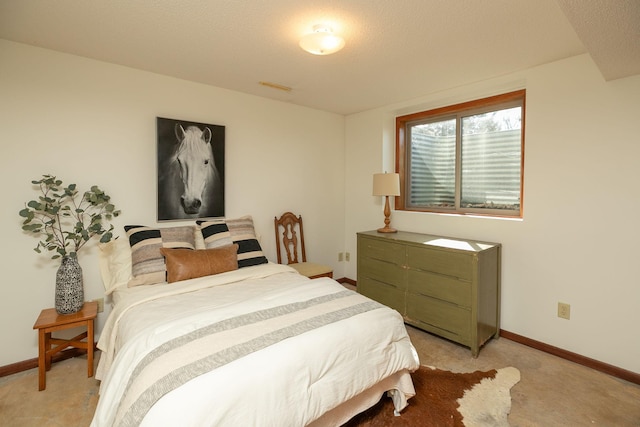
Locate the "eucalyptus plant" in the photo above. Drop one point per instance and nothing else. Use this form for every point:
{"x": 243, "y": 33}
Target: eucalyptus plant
{"x": 64, "y": 221}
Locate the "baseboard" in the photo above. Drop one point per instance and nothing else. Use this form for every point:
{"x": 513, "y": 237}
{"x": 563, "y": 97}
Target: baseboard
{"x": 25, "y": 365}
{"x": 614, "y": 371}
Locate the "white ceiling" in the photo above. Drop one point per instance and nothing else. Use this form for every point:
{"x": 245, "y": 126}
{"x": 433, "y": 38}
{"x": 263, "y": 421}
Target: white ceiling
{"x": 392, "y": 47}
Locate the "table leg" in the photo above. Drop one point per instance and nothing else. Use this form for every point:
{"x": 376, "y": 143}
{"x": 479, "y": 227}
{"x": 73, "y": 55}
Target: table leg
{"x": 47, "y": 351}
{"x": 41, "y": 360}
{"x": 90, "y": 345}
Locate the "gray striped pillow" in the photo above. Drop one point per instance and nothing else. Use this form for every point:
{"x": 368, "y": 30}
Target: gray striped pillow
{"x": 240, "y": 231}
{"x": 215, "y": 234}
{"x": 148, "y": 265}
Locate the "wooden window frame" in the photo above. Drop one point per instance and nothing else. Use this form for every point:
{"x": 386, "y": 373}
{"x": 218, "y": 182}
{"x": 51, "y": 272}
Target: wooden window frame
{"x": 457, "y": 109}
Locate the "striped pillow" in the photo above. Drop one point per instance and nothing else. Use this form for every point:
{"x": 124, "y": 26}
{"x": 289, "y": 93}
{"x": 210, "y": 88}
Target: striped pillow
{"x": 148, "y": 265}
{"x": 240, "y": 231}
{"x": 215, "y": 234}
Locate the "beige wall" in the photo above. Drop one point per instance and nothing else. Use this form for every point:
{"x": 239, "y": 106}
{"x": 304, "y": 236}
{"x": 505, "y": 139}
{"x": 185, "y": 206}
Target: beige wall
{"x": 94, "y": 123}
{"x": 578, "y": 240}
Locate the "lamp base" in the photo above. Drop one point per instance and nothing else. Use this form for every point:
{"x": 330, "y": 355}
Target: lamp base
{"x": 387, "y": 218}
{"x": 387, "y": 229}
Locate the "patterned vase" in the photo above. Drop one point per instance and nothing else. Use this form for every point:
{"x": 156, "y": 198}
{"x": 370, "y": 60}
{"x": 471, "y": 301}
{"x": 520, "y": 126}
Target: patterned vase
{"x": 69, "y": 286}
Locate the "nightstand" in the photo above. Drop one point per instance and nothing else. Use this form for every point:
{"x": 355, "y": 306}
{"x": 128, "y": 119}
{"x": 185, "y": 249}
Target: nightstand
{"x": 50, "y": 321}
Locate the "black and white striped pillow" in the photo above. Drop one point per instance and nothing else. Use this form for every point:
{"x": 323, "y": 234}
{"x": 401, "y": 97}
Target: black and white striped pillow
{"x": 241, "y": 231}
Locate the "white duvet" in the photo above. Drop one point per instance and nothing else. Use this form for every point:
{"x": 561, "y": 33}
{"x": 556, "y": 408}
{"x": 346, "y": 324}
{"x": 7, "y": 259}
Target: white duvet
{"x": 293, "y": 382}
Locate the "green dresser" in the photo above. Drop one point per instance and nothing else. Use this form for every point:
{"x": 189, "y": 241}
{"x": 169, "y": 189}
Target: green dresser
{"x": 447, "y": 286}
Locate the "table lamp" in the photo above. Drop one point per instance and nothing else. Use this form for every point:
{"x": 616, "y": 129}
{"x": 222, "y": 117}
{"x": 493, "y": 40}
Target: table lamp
{"x": 386, "y": 184}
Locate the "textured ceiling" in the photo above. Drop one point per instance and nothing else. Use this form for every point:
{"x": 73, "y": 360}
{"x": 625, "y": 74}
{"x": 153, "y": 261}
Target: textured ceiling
{"x": 610, "y": 31}
{"x": 392, "y": 47}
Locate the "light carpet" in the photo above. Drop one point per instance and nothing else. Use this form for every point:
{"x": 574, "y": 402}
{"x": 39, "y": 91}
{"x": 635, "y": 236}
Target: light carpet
{"x": 442, "y": 399}
{"x": 445, "y": 398}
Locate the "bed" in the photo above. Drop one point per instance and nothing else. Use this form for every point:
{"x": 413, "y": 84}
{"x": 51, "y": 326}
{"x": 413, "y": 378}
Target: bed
{"x": 255, "y": 345}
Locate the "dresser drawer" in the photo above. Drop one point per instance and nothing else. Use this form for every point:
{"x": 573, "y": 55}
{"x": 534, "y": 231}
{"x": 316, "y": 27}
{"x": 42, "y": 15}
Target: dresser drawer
{"x": 382, "y": 292}
{"x": 450, "y": 263}
{"x": 442, "y": 315}
{"x": 445, "y": 288}
{"x": 389, "y": 252}
{"x": 381, "y": 271}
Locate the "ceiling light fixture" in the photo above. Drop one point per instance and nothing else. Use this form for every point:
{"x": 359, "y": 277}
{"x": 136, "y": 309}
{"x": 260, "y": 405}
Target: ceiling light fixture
{"x": 321, "y": 41}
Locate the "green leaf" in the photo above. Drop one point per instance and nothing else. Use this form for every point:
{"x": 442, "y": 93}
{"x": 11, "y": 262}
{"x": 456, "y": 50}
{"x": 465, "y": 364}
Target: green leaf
{"x": 95, "y": 227}
{"x": 78, "y": 224}
{"x": 34, "y": 205}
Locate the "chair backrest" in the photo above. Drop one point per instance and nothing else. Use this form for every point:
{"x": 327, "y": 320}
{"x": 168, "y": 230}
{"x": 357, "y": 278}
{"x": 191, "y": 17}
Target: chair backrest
{"x": 290, "y": 235}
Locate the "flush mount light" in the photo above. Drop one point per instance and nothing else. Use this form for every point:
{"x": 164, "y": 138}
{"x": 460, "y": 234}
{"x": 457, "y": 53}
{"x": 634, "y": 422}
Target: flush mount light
{"x": 321, "y": 41}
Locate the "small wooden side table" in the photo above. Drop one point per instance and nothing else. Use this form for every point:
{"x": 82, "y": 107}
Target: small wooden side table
{"x": 50, "y": 321}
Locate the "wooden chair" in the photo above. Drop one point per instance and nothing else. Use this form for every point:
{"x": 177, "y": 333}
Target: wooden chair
{"x": 290, "y": 235}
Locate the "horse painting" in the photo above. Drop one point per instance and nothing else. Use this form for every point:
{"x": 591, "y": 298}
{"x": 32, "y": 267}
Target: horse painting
{"x": 190, "y": 183}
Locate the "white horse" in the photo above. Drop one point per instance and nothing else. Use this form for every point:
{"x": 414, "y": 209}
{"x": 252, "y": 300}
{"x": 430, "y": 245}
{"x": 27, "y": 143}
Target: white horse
{"x": 192, "y": 183}
{"x": 197, "y": 168}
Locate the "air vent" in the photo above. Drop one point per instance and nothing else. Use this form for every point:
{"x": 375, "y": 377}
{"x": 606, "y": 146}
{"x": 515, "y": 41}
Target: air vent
{"x": 276, "y": 86}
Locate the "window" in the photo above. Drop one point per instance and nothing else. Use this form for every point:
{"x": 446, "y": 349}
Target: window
{"x": 463, "y": 159}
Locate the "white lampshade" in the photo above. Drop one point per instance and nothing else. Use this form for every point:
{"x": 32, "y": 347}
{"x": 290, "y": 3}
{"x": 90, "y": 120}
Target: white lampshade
{"x": 386, "y": 184}
{"x": 321, "y": 41}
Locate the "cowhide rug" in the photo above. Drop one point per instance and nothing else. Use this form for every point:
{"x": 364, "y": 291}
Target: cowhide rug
{"x": 445, "y": 398}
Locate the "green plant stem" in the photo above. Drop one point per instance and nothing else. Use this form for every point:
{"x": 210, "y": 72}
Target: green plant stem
{"x": 56, "y": 231}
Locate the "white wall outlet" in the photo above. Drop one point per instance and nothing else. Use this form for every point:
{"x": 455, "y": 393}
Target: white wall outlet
{"x": 347, "y": 257}
{"x": 340, "y": 256}
{"x": 100, "y": 302}
{"x": 564, "y": 310}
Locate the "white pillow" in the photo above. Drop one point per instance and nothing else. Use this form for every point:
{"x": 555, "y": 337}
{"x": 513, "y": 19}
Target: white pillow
{"x": 115, "y": 264}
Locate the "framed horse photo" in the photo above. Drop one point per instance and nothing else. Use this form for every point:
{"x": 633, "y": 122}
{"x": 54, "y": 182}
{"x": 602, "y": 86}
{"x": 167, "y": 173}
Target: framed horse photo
{"x": 190, "y": 170}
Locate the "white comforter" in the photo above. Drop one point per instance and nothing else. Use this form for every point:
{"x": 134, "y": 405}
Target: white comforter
{"x": 290, "y": 383}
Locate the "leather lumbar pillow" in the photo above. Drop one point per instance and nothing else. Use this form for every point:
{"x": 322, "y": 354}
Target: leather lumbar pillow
{"x": 183, "y": 264}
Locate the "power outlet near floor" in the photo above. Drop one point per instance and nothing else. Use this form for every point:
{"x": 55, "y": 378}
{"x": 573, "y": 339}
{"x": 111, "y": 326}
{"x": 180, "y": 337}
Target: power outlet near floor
{"x": 344, "y": 256}
{"x": 100, "y": 302}
{"x": 564, "y": 310}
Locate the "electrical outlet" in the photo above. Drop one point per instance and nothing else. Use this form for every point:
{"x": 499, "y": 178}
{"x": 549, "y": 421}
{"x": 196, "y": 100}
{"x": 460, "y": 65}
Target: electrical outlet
{"x": 340, "y": 256}
{"x": 564, "y": 310}
{"x": 347, "y": 257}
{"x": 100, "y": 302}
